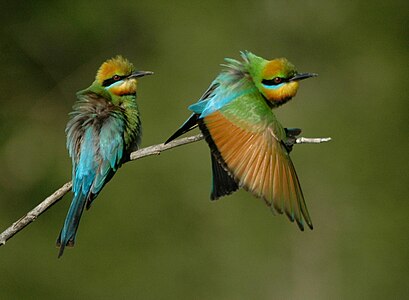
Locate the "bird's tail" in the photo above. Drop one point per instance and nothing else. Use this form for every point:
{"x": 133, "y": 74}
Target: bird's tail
{"x": 222, "y": 182}
{"x": 69, "y": 230}
{"x": 187, "y": 126}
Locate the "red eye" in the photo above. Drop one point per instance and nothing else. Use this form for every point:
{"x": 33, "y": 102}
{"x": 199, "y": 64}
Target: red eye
{"x": 116, "y": 77}
{"x": 278, "y": 80}
{"x": 274, "y": 81}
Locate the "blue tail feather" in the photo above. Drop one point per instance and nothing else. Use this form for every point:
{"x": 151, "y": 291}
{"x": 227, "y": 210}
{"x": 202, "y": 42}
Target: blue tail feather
{"x": 69, "y": 230}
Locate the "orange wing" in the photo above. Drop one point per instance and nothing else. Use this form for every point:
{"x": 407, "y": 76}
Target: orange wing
{"x": 259, "y": 163}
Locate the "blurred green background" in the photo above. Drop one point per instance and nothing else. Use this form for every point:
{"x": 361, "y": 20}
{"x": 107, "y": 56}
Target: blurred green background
{"x": 153, "y": 233}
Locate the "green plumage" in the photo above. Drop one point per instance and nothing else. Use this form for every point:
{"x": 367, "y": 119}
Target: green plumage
{"x": 103, "y": 130}
{"x": 247, "y": 143}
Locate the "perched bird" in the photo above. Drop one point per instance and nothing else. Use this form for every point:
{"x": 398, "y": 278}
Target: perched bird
{"x": 249, "y": 147}
{"x": 104, "y": 128}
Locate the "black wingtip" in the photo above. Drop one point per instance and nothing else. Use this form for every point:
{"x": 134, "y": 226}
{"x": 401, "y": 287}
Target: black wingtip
{"x": 302, "y": 227}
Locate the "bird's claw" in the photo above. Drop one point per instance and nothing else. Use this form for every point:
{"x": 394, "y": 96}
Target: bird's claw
{"x": 291, "y": 137}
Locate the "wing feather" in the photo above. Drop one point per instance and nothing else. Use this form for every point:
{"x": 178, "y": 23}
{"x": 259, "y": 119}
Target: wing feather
{"x": 288, "y": 205}
{"x": 275, "y": 185}
{"x": 259, "y": 162}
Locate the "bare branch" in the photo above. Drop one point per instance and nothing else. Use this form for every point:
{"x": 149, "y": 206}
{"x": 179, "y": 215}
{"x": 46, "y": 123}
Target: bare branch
{"x": 148, "y": 151}
{"x": 34, "y": 213}
{"x": 157, "y": 149}
{"x": 303, "y": 140}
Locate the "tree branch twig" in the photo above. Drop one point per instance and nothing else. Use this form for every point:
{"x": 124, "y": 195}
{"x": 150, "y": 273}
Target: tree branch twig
{"x": 144, "y": 152}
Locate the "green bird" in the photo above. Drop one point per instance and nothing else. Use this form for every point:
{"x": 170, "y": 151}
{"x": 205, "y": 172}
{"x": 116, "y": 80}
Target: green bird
{"x": 104, "y": 128}
{"x": 249, "y": 147}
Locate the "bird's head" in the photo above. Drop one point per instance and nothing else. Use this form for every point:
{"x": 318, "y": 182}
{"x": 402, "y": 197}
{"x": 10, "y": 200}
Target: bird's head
{"x": 276, "y": 79}
{"x": 118, "y": 76}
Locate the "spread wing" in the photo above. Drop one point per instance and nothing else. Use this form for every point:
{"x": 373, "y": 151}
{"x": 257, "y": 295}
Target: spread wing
{"x": 246, "y": 139}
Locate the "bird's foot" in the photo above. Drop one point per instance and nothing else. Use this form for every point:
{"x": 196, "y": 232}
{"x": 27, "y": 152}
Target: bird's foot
{"x": 291, "y": 134}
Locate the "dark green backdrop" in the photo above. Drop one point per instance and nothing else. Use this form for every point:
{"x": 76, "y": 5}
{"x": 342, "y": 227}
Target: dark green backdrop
{"x": 153, "y": 233}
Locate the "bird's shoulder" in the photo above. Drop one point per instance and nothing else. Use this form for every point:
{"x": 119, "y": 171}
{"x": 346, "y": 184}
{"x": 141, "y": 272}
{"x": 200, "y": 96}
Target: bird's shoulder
{"x": 96, "y": 104}
{"x": 220, "y": 93}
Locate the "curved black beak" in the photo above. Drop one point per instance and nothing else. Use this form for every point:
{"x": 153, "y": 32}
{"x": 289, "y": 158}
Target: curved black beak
{"x": 137, "y": 74}
{"x": 302, "y": 76}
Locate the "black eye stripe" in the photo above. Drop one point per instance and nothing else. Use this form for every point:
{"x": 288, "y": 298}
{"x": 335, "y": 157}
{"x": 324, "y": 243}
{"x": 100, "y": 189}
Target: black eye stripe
{"x": 274, "y": 81}
{"x": 115, "y": 78}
